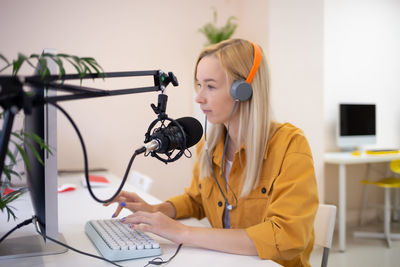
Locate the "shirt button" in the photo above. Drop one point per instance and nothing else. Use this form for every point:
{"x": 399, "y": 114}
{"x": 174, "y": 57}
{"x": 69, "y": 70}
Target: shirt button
{"x": 263, "y": 190}
{"x": 219, "y": 203}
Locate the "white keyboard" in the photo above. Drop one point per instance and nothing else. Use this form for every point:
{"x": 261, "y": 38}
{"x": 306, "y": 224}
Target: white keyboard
{"x": 116, "y": 241}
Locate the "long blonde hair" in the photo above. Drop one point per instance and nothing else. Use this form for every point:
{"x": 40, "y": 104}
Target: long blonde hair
{"x": 236, "y": 57}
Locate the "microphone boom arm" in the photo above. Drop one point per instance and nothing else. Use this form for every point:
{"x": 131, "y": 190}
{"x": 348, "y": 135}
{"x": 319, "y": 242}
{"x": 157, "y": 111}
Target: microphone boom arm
{"x": 13, "y": 98}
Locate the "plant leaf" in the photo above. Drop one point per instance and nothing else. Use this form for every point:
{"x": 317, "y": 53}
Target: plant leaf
{"x": 11, "y": 156}
{"x": 7, "y": 172}
{"x": 18, "y": 63}
{"x": 11, "y": 171}
{"x": 21, "y": 150}
{"x": 9, "y": 211}
{"x": 215, "y": 34}
{"x": 17, "y": 135}
{"x": 82, "y": 74}
{"x": 58, "y": 61}
{"x": 12, "y": 196}
{"x": 92, "y": 63}
{"x": 76, "y": 66}
{"x": 35, "y": 152}
{"x": 36, "y": 138}
{"x": 43, "y": 70}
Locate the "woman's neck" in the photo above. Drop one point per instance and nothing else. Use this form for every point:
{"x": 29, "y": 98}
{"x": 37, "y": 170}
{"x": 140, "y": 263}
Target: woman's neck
{"x": 232, "y": 141}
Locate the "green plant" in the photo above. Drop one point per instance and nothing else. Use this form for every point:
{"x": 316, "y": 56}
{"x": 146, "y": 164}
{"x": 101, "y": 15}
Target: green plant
{"x": 215, "y": 34}
{"x": 19, "y": 138}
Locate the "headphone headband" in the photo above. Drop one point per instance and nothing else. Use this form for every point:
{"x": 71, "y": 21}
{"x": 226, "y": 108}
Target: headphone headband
{"x": 256, "y": 64}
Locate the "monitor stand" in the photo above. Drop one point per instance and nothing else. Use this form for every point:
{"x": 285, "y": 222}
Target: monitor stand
{"x": 30, "y": 246}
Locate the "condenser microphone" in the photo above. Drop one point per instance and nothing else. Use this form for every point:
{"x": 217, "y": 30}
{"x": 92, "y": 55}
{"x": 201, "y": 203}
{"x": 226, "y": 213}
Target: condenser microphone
{"x": 164, "y": 140}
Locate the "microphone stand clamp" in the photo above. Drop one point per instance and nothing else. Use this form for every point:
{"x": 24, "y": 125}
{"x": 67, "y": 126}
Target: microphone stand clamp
{"x": 163, "y": 81}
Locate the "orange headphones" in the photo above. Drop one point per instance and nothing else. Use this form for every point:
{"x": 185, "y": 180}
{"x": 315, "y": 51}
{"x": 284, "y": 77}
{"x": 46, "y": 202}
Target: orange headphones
{"x": 242, "y": 90}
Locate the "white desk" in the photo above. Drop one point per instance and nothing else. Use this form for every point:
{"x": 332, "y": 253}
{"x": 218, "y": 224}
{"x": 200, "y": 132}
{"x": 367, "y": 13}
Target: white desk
{"x": 343, "y": 159}
{"x": 77, "y": 207}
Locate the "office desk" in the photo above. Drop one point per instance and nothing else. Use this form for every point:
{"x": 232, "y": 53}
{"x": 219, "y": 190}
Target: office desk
{"x": 77, "y": 207}
{"x": 343, "y": 159}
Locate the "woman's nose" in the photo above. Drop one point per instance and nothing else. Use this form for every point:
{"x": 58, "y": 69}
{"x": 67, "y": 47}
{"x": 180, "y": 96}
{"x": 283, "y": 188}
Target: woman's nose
{"x": 200, "y": 98}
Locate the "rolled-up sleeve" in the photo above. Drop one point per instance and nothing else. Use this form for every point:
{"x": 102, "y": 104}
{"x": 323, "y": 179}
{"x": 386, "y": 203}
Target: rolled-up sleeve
{"x": 287, "y": 229}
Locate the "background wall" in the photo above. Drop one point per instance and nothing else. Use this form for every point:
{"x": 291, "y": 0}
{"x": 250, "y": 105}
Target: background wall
{"x": 122, "y": 36}
{"x": 295, "y": 52}
{"x": 141, "y": 35}
{"x": 362, "y": 65}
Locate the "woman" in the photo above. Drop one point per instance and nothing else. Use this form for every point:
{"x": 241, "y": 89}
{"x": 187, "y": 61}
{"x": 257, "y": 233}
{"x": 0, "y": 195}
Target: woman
{"x": 264, "y": 199}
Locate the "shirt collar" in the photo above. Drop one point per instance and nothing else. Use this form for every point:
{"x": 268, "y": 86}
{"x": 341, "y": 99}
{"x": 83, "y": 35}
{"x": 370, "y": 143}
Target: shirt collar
{"x": 219, "y": 150}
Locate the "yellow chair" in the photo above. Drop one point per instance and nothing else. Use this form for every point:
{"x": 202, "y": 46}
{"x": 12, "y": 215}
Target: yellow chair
{"x": 387, "y": 183}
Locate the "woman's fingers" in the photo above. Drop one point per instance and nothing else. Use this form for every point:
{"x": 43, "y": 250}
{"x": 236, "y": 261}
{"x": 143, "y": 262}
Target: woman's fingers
{"x": 156, "y": 223}
{"x": 139, "y": 217}
{"x": 119, "y": 208}
{"x": 116, "y": 199}
{"x": 129, "y": 200}
{"x": 142, "y": 221}
{"x": 125, "y": 196}
{"x": 130, "y": 196}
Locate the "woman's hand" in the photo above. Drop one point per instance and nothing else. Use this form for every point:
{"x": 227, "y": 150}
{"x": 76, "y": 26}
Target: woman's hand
{"x": 157, "y": 223}
{"x": 132, "y": 202}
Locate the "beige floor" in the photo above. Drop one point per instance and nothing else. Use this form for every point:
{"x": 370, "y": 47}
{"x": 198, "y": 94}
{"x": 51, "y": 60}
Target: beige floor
{"x": 362, "y": 252}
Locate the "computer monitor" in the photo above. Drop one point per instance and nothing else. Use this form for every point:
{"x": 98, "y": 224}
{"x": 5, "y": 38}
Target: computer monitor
{"x": 42, "y": 181}
{"x": 356, "y": 125}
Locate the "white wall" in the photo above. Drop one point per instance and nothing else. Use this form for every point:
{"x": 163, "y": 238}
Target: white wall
{"x": 291, "y": 35}
{"x": 362, "y": 64}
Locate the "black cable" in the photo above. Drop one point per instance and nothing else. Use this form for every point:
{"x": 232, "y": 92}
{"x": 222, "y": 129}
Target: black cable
{"x": 26, "y": 222}
{"x": 82, "y": 252}
{"x": 35, "y": 222}
{"x": 34, "y": 219}
{"x": 222, "y": 160}
{"x": 155, "y": 262}
{"x": 210, "y": 163}
{"x": 223, "y": 155}
{"x": 86, "y": 159}
{"x": 138, "y": 151}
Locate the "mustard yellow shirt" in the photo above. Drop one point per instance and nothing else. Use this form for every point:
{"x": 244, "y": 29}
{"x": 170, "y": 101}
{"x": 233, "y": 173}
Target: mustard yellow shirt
{"x": 279, "y": 214}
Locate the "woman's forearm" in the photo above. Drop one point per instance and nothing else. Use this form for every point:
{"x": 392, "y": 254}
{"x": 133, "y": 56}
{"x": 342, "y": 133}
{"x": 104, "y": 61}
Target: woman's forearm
{"x": 167, "y": 208}
{"x": 160, "y": 222}
{"x": 227, "y": 240}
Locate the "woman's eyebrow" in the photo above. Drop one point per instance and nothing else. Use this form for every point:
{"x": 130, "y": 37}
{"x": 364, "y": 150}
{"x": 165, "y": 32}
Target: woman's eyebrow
{"x": 208, "y": 80}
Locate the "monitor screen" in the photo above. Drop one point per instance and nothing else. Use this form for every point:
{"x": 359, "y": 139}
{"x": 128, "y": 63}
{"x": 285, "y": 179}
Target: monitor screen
{"x": 357, "y": 119}
{"x": 357, "y": 125}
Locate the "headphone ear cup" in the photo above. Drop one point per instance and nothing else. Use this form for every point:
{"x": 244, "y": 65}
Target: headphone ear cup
{"x": 241, "y": 90}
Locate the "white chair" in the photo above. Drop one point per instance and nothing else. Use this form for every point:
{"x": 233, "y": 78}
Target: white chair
{"x": 324, "y": 226}
{"x": 140, "y": 181}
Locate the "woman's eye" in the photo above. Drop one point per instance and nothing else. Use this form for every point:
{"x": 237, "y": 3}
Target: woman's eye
{"x": 211, "y": 87}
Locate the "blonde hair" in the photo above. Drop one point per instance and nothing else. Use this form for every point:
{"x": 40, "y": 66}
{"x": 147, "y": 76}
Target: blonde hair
{"x": 236, "y": 57}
